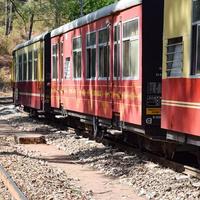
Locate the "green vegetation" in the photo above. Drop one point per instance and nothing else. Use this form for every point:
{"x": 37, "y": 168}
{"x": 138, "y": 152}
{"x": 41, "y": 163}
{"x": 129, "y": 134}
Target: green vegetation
{"x": 23, "y": 19}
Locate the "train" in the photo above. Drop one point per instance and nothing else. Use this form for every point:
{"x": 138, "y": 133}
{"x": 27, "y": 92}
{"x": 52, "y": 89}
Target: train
{"x": 131, "y": 68}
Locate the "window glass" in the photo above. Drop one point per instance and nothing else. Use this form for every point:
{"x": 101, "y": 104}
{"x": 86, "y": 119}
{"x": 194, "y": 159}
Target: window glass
{"x": 35, "y": 64}
{"x": 77, "y": 43}
{"x": 103, "y": 61}
{"x": 130, "y": 29}
{"x": 77, "y": 57}
{"x": 134, "y": 59}
{"x": 196, "y": 9}
{"x": 67, "y": 68}
{"x": 61, "y": 60}
{"x": 104, "y": 36}
{"x": 55, "y": 59}
{"x": 77, "y": 64}
{"x": 24, "y": 66}
{"x": 20, "y": 67}
{"x": 130, "y": 49}
{"x": 15, "y": 68}
{"x": 103, "y": 53}
{"x": 91, "y": 39}
{"x": 91, "y": 55}
{"x": 117, "y": 33}
{"x": 175, "y": 57}
{"x": 30, "y": 65}
{"x": 117, "y": 51}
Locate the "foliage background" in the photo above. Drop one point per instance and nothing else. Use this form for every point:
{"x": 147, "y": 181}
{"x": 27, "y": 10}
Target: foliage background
{"x": 17, "y": 16}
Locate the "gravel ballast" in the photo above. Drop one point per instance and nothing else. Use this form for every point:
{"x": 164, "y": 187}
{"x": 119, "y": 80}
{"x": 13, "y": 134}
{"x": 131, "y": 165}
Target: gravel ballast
{"x": 147, "y": 178}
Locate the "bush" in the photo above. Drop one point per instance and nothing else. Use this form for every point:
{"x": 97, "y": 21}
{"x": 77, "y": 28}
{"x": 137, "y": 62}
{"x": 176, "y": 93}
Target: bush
{"x": 5, "y": 83}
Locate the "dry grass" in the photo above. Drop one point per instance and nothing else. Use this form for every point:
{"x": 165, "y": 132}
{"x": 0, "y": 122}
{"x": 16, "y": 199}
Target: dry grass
{"x": 5, "y": 82}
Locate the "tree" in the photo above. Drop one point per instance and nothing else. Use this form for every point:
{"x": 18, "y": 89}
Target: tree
{"x": 8, "y": 16}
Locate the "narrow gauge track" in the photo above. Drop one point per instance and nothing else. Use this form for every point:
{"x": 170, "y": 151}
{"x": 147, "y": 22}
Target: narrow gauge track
{"x": 9, "y": 183}
{"x": 175, "y": 165}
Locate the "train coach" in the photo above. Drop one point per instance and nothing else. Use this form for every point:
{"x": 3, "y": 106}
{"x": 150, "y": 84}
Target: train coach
{"x": 181, "y": 69}
{"x": 102, "y": 71}
{"x": 31, "y": 74}
{"x": 106, "y": 68}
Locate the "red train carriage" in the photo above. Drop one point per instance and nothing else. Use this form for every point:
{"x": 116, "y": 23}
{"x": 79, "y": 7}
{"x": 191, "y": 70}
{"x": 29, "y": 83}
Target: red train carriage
{"x": 181, "y": 64}
{"x": 31, "y": 71}
{"x": 106, "y": 66}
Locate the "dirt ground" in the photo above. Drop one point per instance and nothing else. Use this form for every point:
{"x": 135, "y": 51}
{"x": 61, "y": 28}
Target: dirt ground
{"x": 102, "y": 187}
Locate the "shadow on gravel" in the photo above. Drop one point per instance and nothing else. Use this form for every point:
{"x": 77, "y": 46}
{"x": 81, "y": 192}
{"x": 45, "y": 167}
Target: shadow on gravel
{"x": 9, "y": 153}
{"x": 6, "y": 100}
{"x": 79, "y": 157}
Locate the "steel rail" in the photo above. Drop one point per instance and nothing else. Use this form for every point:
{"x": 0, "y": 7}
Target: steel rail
{"x": 11, "y": 185}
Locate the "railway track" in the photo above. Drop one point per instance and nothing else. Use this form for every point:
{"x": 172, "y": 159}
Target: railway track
{"x": 9, "y": 183}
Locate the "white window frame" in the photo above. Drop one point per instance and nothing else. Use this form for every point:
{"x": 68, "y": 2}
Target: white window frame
{"x": 32, "y": 59}
{"x": 174, "y": 77}
{"x": 103, "y": 44}
{"x": 56, "y": 55}
{"x": 131, "y": 39}
{"x": 91, "y": 47}
{"x": 76, "y": 50}
{"x": 24, "y": 53}
{"x": 114, "y": 43}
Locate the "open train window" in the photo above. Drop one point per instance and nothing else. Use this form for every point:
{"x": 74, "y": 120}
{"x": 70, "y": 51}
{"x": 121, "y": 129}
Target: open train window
{"x": 91, "y": 55}
{"x": 20, "y": 67}
{"x": 30, "y": 59}
{"x": 67, "y": 68}
{"x": 55, "y": 59}
{"x": 77, "y": 49}
{"x": 130, "y": 49}
{"x": 103, "y": 46}
{"x": 175, "y": 57}
{"x": 195, "y": 68}
{"x": 24, "y": 67}
{"x": 116, "y": 69}
{"x": 35, "y": 64}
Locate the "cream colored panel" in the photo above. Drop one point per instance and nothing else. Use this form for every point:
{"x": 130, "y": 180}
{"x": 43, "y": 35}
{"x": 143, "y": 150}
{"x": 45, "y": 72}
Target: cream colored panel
{"x": 177, "y": 23}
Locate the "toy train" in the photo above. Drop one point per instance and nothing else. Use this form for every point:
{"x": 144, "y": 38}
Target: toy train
{"x": 132, "y": 66}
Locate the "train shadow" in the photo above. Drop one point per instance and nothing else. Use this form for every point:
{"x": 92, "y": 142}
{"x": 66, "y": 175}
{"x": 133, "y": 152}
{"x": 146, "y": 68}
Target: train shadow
{"x": 6, "y": 100}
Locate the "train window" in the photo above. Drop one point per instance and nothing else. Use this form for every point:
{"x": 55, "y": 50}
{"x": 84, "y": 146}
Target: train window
{"x": 196, "y": 8}
{"x": 67, "y": 68}
{"x": 195, "y": 68}
{"x": 130, "y": 49}
{"x": 24, "y": 67}
{"x": 91, "y": 55}
{"x": 130, "y": 29}
{"x": 91, "y": 39}
{"x": 35, "y": 64}
{"x": 61, "y": 59}
{"x": 55, "y": 59}
{"x": 117, "y": 51}
{"x": 104, "y": 53}
{"x": 20, "y": 67}
{"x": 77, "y": 57}
{"x": 14, "y": 69}
{"x": 175, "y": 57}
{"x": 30, "y": 65}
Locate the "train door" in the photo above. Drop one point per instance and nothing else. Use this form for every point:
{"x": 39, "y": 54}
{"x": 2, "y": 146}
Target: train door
{"x": 60, "y": 76}
{"x": 116, "y": 73}
{"x": 57, "y": 74}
